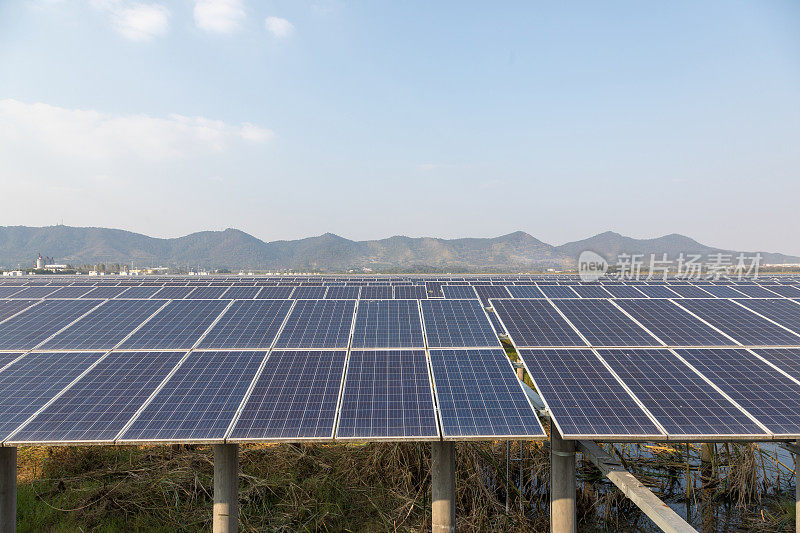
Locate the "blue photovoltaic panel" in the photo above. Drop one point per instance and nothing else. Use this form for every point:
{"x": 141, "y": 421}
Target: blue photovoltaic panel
{"x": 591, "y": 291}
{"x": 764, "y": 392}
{"x": 410, "y": 292}
{"x": 174, "y": 293}
{"x": 741, "y": 324}
{"x": 275, "y": 293}
{"x": 309, "y": 293}
{"x": 376, "y": 292}
{"x": 104, "y": 292}
{"x": 179, "y": 325}
{"x": 755, "y": 291}
{"x": 294, "y": 398}
{"x": 787, "y": 359}
{"x": 784, "y": 312}
{"x": 434, "y": 289}
{"x": 35, "y": 292}
{"x": 480, "y": 396}
{"x": 535, "y": 323}
{"x": 139, "y": 292}
{"x": 558, "y": 291}
{"x": 199, "y": 400}
{"x": 248, "y": 324}
{"x": 603, "y": 324}
{"x": 624, "y": 291}
{"x": 525, "y": 291}
{"x": 342, "y": 293}
{"x": 723, "y": 291}
{"x": 672, "y": 324}
{"x": 457, "y": 323}
{"x": 241, "y": 293}
{"x": 682, "y": 402}
{"x": 105, "y": 327}
{"x": 69, "y": 292}
{"x": 99, "y": 405}
{"x": 656, "y": 291}
{"x": 458, "y": 291}
{"x": 690, "y": 291}
{"x": 388, "y": 324}
{"x": 387, "y": 394}
{"x": 6, "y": 358}
{"x": 29, "y": 328}
{"x": 207, "y": 293}
{"x": 5, "y": 292}
{"x": 9, "y": 308}
{"x": 584, "y": 398}
{"x": 491, "y": 291}
{"x": 318, "y": 324}
{"x": 31, "y": 382}
{"x": 788, "y": 291}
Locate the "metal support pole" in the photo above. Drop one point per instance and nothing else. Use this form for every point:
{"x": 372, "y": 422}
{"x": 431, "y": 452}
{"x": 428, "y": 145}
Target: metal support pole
{"x": 226, "y": 488}
{"x": 8, "y": 490}
{"x": 563, "y": 484}
{"x": 443, "y": 487}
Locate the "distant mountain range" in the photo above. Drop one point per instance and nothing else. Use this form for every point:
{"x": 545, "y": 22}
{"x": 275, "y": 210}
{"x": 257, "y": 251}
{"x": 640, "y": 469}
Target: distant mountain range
{"x": 234, "y": 249}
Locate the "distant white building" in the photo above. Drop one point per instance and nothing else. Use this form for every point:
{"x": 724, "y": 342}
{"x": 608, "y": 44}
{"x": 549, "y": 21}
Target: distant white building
{"x": 55, "y": 267}
{"x": 14, "y": 273}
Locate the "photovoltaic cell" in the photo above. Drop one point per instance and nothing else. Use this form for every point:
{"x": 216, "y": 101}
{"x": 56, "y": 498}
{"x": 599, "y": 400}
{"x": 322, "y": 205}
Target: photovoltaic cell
{"x": 388, "y": 324}
{"x": 480, "y": 396}
{"x": 525, "y": 291}
{"x": 294, "y": 398}
{"x": 741, "y": 324}
{"x": 99, "y": 405}
{"x": 457, "y": 323}
{"x": 787, "y": 359}
{"x": 179, "y": 325}
{"x": 656, "y": 291}
{"x": 682, "y": 402}
{"x": 310, "y": 293}
{"x": 31, "y": 382}
{"x": 241, "y": 293}
{"x": 376, "y": 292}
{"x": 6, "y": 358}
{"x": 535, "y": 323}
{"x": 104, "y": 327}
{"x": 458, "y": 291}
{"x": 387, "y": 394}
{"x": 410, "y": 292}
{"x": 318, "y": 324}
{"x": 764, "y": 392}
{"x": 784, "y": 312}
{"x": 9, "y": 308}
{"x": 558, "y": 291}
{"x": 603, "y": 324}
{"x": 248, "y": 324}
{"x": 584, "y": 398}
{"x": 275, "y": 293}
{"x": 342, "y": 293}
{"x": 6, "y": 291}
{"x": 199, "y": 401}
{"x": 29, "y": 328}
{"x": 591, "y": 291}
{"x": 672, "y": 324}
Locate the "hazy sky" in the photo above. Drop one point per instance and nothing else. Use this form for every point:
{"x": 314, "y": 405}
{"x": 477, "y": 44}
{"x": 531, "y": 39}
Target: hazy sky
{"x": 292, "y": 118}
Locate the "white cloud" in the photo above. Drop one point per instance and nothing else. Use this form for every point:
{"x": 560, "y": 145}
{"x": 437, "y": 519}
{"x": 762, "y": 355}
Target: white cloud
{"x": 134, "y": 20}
{"x": 219, "y": 16}
{"x": 278, "y": 27}
{"x": 43, "y": 130}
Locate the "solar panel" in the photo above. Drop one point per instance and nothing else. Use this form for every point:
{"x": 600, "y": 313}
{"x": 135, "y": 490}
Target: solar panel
{"x": 241, "y": 293}
{"x": 764, "y": 392}
{"x": 784, "y": 312}
{"x": 558, "y": 291}
{"x": 207, "y": 293}
{"x": 318, "y": 324}
{"x": 458, "y": 291}
{"x": 457, "y": 323}
{"x": 6, "y": 358}
{"x": 525, "y": 291}
{"x": 434, "y": 289}
{"x": 656, "y": 291}
{"x": 689, "y": 291}
{"x": 723, "y": 291}
{"x": 584, "y": 398}
{"x": 34, "y": 325}
{"x": 174, "y": 293}
{"x": 479, "y": 396}
{"x": 9, "y": 308}
{"x": 6, "y": 291}
{"x": 624, "y": 291}
{"x": 741, "y": 324}
{"x": 591, "y": 291}
{"x": 343, "y": 293}
{"x": 672, "y": 324}
{"x": 104, "y": 327}
{"x": 684, "y": 404}
{"x": 248, "y": 324}
{"x": 275, "y": 293}
{"x": 99, "y": 405}
{"x": 104, "y": 292}
{"x": 787, "y": 359}
{"x": 535, "y": 323}
{"x": 31, "y": 382}
{"x": 139, "y": 292}
{"x": 178, "y": 326}
{"x": 387, "y": 394}
{"x": 309, "y": 293}
{"x": 199, "y": 400}
{"x": 784, "y": 290}
{"x": 376, "y": 292}
{"x": 35, "y": 292}
{"x": 491, "y": 291}
{"x": 69, "y": 292}
{"x": 294, "y": 398}
{"x": 603, "y": 324}
{"x": 410, "y": 292}
{"x": 388, "y": 324}
{"x": 755, "y": 291}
